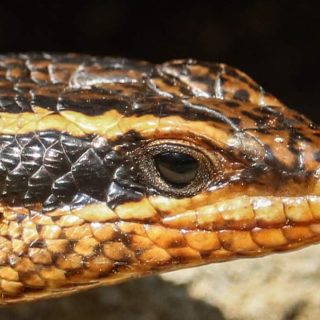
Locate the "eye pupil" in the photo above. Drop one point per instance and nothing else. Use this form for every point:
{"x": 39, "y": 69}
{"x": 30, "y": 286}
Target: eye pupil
{"x": 176, "y": 168}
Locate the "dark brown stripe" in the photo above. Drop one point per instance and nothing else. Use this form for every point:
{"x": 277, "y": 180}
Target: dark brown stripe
{"x": 56, "y": 169}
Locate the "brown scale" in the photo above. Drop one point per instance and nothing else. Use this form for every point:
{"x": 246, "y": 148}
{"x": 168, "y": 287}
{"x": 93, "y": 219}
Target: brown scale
{"x": 263, "y": 195}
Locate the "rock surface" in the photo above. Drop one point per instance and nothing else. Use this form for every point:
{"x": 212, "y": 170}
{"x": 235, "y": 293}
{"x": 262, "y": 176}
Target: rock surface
{"x": 282, "y": 287}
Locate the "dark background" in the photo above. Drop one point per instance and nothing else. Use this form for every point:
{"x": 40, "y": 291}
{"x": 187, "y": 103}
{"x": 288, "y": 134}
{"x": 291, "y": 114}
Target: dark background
{"x": 276, "y": 42}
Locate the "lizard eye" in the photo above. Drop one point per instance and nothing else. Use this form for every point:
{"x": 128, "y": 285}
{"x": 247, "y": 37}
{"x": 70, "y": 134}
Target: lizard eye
{"x": 176, "y": 168}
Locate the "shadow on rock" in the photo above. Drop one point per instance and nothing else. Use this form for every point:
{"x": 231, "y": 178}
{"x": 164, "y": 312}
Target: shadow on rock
{"x": 143, "y": 299}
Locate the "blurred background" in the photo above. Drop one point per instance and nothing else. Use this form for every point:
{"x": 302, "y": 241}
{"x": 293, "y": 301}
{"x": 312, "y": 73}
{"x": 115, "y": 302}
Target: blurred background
{"x": 277, "y": 42}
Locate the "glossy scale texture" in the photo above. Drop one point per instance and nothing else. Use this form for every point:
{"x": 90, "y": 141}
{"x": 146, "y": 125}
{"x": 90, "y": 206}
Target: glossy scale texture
{"x": 76, "y": 211}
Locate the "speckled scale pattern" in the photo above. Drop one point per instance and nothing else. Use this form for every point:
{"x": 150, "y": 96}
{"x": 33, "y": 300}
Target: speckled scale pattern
{"x": 39, "y": 79}
{"x": 215, "y": 93}
{"x": 75, "y": 213}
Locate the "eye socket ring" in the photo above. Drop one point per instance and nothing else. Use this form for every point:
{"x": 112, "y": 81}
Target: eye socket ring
{"x": 175, "y": 168}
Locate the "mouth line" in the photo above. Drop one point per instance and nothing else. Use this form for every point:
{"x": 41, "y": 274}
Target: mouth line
{"x": 249, "y": 213}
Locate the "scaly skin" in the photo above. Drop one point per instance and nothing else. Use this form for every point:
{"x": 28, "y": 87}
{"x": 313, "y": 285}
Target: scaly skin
{"x": 79, "y": 206}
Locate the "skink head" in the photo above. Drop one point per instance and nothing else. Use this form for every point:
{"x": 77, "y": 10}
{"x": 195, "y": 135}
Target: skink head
{"x": 120, "y": 168}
